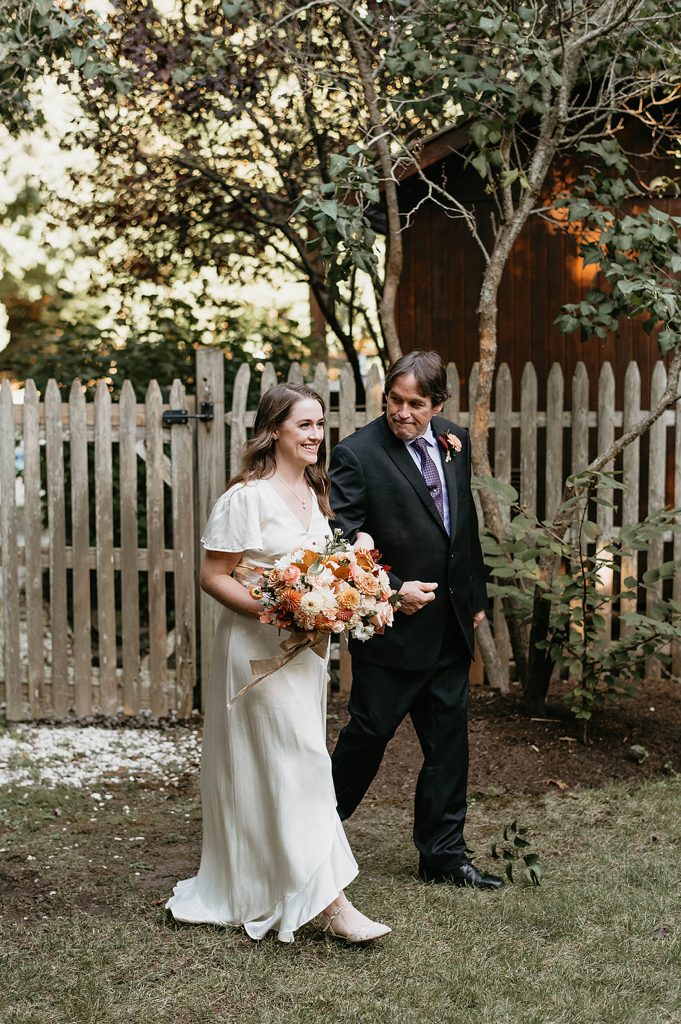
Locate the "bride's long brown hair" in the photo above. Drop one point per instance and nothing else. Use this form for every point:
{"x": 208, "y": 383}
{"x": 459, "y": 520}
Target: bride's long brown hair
{"x": 258, "y": 460}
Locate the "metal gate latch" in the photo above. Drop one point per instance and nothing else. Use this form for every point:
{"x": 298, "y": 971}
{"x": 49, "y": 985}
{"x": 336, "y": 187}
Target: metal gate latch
{"x": 173, "y": 416}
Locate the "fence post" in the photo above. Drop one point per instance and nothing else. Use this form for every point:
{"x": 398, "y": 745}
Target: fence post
{"x": 210, "y": 443}
{"x": 80, "y": 542}
{"x": 631, "y": 478}
{"x": 676, "y": 542}
{"x": 184, "y": 575}
{"x": 604, "y": 514}
{"x": 33, "y": 524}
{"x": 657, "y": 471}
{"x": 56, "y": 522}
{"x": 503, "y": 434}
{"x": 10, "y": 569}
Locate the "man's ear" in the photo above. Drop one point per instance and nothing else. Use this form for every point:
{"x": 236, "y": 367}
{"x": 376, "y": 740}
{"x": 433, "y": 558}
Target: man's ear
{"x": 437, "y": 409}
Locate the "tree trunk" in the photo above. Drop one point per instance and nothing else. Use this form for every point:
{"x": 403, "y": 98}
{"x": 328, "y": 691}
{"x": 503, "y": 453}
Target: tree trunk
{"x": 539, "y": 665}
{"x": 378, "y": 136}
{"x": 480, "y": 419}
{"x": 496, "y": 677}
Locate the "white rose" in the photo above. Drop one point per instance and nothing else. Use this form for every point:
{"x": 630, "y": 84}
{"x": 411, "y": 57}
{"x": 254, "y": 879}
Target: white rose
{"x": 320, "y": 580}
{"x": 384, "y": 580}
{"x": 284, "y": 561}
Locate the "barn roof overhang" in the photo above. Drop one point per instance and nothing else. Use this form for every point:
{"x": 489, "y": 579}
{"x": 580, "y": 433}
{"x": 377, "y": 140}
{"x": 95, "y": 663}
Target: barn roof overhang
{"x": 434, "y": 148}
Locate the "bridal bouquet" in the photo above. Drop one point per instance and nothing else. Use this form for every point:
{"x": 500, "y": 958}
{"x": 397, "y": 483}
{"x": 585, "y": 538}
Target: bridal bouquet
{"x": 328, "y": 587}
{"x": 333, "y": 590}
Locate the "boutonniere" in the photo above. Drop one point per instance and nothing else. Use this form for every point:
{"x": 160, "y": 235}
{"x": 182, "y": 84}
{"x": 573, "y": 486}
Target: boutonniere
{"x": 451, "y": 444}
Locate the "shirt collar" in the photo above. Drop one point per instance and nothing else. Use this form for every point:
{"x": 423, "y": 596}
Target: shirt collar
{"x": 428, "y": 436}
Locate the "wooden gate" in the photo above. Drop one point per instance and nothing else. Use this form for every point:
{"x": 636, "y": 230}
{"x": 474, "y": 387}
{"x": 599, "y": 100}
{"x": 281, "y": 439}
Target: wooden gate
{"x": 98, "y": 555}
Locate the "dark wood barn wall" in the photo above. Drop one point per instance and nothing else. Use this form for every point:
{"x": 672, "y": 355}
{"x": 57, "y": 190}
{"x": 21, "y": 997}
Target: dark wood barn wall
{"x": 441, "y": 280}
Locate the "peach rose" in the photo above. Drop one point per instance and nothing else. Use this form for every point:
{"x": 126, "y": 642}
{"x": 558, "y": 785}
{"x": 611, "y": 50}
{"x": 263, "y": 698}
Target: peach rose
{"x": 290, "y": 575}
{"x": 369, "y": 585}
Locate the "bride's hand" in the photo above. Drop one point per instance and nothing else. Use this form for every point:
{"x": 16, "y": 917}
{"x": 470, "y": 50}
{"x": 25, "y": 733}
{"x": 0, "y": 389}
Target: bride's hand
{"x": 364, "y": 542}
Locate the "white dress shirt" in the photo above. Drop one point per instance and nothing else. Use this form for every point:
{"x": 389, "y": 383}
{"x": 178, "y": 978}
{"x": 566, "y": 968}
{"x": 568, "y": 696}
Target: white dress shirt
{"x": 434, "y": 452}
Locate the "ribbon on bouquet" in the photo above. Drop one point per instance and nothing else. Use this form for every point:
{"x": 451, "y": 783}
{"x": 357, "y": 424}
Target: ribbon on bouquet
{"x": 294, "y": 644}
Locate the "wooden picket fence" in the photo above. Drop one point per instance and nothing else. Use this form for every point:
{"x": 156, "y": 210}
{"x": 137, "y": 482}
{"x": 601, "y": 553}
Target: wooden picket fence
{"x": 100, "y": 611}
{"x": 79, "y": 651}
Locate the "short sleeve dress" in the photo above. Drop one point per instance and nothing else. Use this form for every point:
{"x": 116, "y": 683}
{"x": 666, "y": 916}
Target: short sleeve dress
{"x": 274, "y": 850}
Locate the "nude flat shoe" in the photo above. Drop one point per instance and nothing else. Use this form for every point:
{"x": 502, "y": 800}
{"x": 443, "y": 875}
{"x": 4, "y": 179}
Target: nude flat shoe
{"x": 371, "y": 932}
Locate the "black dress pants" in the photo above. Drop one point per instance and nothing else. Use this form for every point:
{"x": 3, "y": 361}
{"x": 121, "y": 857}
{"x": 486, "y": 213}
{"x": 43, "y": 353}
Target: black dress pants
{"x": 437, "y": 701}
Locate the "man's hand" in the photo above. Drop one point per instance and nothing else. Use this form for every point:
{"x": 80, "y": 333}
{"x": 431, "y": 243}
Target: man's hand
{"x": 477, "y": 619}
{"x": 414, "y": 595}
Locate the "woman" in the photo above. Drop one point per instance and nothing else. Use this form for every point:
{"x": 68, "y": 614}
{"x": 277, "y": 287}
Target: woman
{"x": 274, "y": 851}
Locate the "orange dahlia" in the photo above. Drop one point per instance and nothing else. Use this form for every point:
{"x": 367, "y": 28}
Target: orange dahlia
{"x": 348, "y": 597}
{"x": 289, "y": 600}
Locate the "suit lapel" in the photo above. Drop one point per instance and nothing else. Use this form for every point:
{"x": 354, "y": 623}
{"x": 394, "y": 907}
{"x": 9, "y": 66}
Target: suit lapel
{"x": 397, "y": 451}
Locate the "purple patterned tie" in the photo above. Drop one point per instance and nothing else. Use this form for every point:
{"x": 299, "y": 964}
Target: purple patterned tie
{"x": 430, "y": 474}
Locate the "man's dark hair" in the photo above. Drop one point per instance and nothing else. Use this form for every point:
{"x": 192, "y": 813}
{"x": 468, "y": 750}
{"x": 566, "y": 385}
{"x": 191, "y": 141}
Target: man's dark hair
{"x": 429, "y": 371}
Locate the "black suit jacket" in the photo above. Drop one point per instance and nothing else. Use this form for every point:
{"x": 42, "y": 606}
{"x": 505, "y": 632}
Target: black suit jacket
{"x": 376, "y": 486}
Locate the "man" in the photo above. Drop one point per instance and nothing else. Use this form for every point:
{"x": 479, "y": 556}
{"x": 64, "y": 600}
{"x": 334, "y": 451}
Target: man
{"x": 402, "y": 484}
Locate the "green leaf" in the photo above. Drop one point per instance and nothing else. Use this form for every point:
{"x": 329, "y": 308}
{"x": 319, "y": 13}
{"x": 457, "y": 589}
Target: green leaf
{"x": 509, "y": 177}
{"x": 78, "y": 56}
{"x": 480, "y": 164}
{"x": 478, "y": 133}
{"x": 591, "y": 530}
{"x": 329, "y": 207}
{"x": 578, "y": 209}
{"x": 498, "y": 487}
{"x": 490, "y": 25}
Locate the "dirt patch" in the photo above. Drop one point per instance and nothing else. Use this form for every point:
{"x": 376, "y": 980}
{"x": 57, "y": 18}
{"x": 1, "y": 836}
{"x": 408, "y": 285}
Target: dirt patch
{"x": 511, "y": 752}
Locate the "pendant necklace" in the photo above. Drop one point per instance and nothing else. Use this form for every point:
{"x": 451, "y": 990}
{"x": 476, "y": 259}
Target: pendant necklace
{"x": 303, "y": 501}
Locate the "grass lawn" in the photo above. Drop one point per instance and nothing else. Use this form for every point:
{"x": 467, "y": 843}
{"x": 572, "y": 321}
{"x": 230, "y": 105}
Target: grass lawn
{"x": 85, "y": 937}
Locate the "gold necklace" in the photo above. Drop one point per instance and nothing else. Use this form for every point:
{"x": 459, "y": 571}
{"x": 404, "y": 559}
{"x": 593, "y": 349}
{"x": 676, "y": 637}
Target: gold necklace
{"x": 303, "y": 501}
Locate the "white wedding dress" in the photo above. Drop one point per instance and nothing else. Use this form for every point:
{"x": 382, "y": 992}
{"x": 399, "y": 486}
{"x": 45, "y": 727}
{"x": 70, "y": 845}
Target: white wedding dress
{"x": 274, "y": 850}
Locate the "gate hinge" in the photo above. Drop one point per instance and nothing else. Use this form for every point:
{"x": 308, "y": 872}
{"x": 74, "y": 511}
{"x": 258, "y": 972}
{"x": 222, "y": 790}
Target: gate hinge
{"x": 173, "y": 416}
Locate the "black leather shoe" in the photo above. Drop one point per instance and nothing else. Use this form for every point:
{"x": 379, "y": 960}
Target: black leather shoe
{"x": 464, "y": 875}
